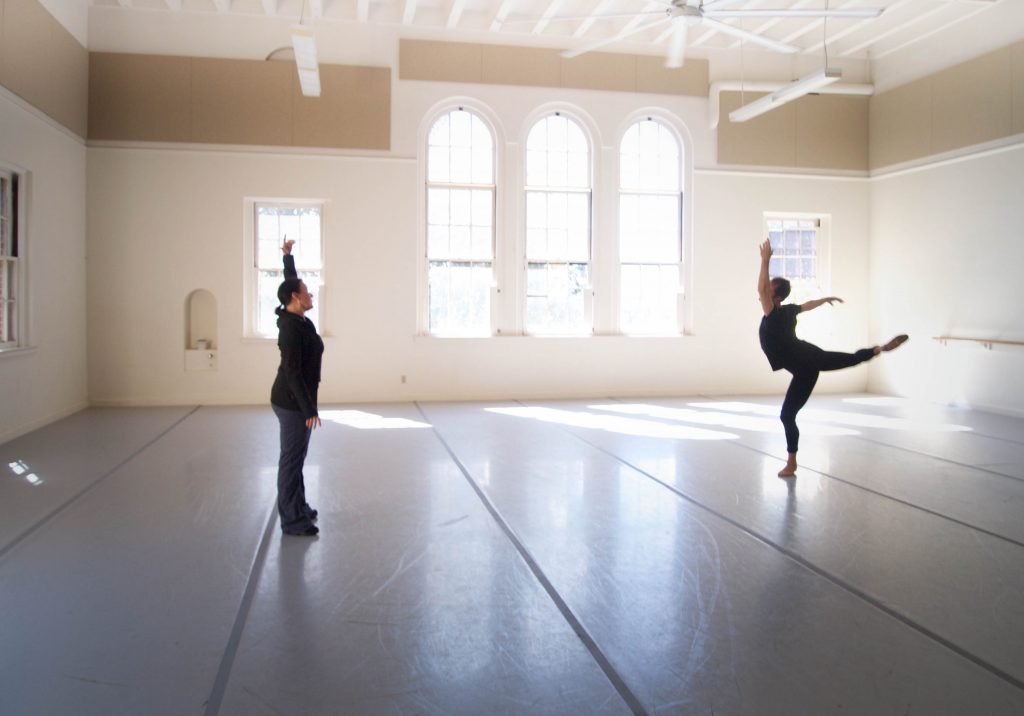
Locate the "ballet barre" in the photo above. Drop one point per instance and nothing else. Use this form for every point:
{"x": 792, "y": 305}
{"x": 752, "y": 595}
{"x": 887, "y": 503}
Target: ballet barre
{"x": 986, "y": 342}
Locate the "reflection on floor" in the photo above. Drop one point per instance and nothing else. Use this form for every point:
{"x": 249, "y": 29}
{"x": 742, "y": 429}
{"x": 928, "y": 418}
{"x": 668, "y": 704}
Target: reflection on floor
{"x": 525, "y": 557}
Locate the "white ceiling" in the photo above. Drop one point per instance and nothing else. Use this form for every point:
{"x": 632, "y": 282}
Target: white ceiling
{"x": 910, "y": 38}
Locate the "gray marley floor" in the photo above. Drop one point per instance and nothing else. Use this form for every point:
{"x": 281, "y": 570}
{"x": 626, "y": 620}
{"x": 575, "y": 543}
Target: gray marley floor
{"x": 524, "y": 557}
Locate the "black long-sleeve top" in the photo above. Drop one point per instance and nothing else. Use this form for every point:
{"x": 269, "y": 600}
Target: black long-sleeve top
{"x": 298, "y": 376}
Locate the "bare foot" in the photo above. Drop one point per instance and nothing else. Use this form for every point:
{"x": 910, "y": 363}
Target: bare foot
{"x": 789, "y": 470}
{"x": 896, "y": 342}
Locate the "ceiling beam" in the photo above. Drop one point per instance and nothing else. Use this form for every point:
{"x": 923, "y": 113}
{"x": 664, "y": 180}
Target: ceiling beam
{"x": 455, "y": 14}
{"x": 363, "y": 10}
{"x": 892, "y": 31}
{"x": 410, "y": 12}
{"x": 853, "y": 28}
{"x": 981, "y": 6}
{"x": 503, "y": 12}
{"x": 551, "y": 11}
{"x": 173, "y": 5}
{"x": 222, "y": 6}
{"x": 124, "y": 3}
{"x": 269, "y": 7}
{"x": 584, "y": 26}
{"x": 316, "y": 8}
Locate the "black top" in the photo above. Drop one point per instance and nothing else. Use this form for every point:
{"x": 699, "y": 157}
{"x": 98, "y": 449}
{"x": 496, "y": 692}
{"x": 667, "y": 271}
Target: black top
{"x": 298, "y": 376}
{"x": 778, "y": 335}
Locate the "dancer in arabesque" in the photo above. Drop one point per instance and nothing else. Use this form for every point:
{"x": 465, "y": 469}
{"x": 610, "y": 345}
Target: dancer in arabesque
{"x": 804, "y": 360}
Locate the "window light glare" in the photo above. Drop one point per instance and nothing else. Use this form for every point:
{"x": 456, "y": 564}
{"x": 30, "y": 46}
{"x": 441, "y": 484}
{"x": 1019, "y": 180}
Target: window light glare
{"x": 31, "y": 477}
{"x": 18, "y": 467}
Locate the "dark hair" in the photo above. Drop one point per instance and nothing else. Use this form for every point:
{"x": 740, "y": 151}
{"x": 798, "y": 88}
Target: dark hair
{"x": 781, "y": 287}
{"x": 287, "y": 288}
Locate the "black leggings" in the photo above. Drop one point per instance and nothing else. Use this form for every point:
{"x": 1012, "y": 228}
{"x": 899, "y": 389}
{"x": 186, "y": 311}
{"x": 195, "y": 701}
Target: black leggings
{"x": 805, "y": 368}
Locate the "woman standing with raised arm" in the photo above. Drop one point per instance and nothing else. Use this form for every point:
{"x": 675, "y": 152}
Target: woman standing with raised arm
{"x": 293, "y": 396}
{"x": 804, "y": 360}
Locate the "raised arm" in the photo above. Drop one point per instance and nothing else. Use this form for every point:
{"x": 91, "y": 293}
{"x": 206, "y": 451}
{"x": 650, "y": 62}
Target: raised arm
{"x": 289, "y": 260}
{"x": 811, "y": 305}
{"x": 764, "y": 285}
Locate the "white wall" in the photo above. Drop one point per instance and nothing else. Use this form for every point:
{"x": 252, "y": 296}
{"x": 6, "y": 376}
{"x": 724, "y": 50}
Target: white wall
{"x": 48, "y": 381}
{"x": 946, "y": 259}
{"x": 164, "y": 222}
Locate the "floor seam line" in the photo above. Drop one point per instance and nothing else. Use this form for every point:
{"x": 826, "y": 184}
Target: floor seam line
{"x": 892, "y": 498}
{"x": 617, "y": 681}
{"x": 938, "y": 457}
{"x": 88, "y": 488}
{"x": 839, "y": 582}
{"x": 227, "y": 662}
{"x": 883, "y": 495}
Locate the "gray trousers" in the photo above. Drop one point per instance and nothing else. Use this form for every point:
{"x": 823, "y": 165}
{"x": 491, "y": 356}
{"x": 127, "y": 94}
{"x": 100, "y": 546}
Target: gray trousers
{"x": 291, "y": 489}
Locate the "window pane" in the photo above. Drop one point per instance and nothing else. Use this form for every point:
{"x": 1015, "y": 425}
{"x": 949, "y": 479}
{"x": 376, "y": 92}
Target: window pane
{"x": 649, "y": 228}
{"x": 438, "y": 242}
{"x": 650, "y": 158}
{"x": 556, "y": 298}
{"x": 459, "y": 298}
{"x": 438, "y": 164}
{"x": 438, "y": 206}
{"x": 649, "y": 298}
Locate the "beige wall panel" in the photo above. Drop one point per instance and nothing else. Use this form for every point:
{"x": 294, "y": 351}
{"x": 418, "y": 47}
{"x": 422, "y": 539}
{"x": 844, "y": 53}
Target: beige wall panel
{"x": 439, "y": 61}
{"x": 353, "y": 110}
{"x": 532, "y": 66}
{"x": 971, "y": 103}
{"x": 27, "y": 62}
{"x": 1017, "y": 75}
{"x": 242, "y": 101}
{"x": 832, "y": 132}
{"x": 71, "y": 103}
{"x": 691, "y": 79}
{"x": 139, "y": 97}
{"x": 600, "y": 71}
{"x": 768, "y": 140}
{"x": 900, "y": 124}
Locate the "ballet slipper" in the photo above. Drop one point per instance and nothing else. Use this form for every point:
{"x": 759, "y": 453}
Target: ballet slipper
{"x": 896, "y": 342}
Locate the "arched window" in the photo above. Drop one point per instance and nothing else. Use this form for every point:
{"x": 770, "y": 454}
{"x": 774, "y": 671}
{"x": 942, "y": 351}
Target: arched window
{"x": 460, "y": 224}
{"x": 558, "y": 210}
{"x": 650, "y": 228}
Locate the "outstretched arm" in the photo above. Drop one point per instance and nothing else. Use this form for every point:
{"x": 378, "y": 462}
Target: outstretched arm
{"x": 764, "y": 285}
{"x": 289, "y": 260}
{"x": 811, "y": 305}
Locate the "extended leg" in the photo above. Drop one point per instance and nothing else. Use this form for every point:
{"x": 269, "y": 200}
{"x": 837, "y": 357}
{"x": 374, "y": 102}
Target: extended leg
{"x": 796, "y": 397}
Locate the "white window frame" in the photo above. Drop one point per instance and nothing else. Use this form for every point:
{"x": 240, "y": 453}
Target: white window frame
{"x": 251, "y": 270}
{"x": 683, "y": 223}
{"x": 423, "y": 260}
{"x": 588, "y": 191}
{"x": 15, "y": 185}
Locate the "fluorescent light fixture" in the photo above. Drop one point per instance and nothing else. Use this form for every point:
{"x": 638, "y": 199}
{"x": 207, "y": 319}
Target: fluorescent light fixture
{"x": 792, "y": 91}
{"x": 304, "y": 45}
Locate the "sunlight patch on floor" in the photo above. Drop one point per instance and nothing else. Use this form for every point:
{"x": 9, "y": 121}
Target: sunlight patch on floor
{"x": 368, "y": 421}
{"x": 615, "y": 424}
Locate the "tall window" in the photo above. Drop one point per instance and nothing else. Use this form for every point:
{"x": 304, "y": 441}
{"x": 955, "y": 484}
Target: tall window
{"x": 650, "y": 228}
{"x": 274, "y": 223}
{"x": 460, "y": 225}
{"x": 558, "y": 210}
{"x": 797, "y": 244}
{"x": 9, "y": 266}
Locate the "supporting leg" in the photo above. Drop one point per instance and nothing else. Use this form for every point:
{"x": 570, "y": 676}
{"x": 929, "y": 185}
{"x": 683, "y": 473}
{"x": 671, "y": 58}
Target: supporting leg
{"x": 799, "y": 391}
{"x": 291, "y": 501}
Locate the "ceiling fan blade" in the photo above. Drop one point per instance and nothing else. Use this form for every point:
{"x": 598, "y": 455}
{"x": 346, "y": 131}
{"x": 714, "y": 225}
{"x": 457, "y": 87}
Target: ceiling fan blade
{"x": 855, "y": 13}
{"x": 749, "y": 36}
{"x": 556, "y": 18}
{"x": 577, "y": 51}
{"x": 677, "y": 49}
